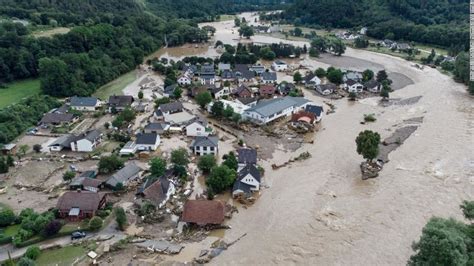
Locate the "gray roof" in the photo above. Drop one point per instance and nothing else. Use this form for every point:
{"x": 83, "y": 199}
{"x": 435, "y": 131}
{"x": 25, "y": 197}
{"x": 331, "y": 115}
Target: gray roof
{"x": 210, "y": 141}
{"x": 200, "y": 120}
{"x": 223, "y": 66}
{"x": 120, "y": 100}
{"x": 249, "y": 169}
{"x": 156, "y": 126}
{"x": 247, "y": 100}
{"x": 228, "y": 74}
{"x": 146, "y": 138}
{"x": 90, "y": 135}
{"x": 267, "y": 108}
{"x": 171, "y": 107}
{"x": 246, "y": 74}
{"x": 63, "y": 141}
{"x": 84, "y": 101}
{"x": 170, "y": 89}
{"x": 51, "y": 118}
{"x": 247, "y": 156}
{"x": 123, "y": 175}
{"x": 245, "y": 188}
{"x": 269, "y": 76}
{"x": 353, "y": 75}
{"x": 372, "y": 84}
{"x": 317, "y": 110}
{"x": 351, "y": 82}
{"x": 207, "y": 69}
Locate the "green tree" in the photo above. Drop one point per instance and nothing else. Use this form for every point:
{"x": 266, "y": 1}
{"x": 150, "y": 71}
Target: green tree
{"x": 367, "y": 75}
{"x": 203, "y": 98}
{"x": 140, "y": 95}
{"x": 206, "y": 163}
{"x": 37, "y": 148}
{"x": 338, "y": 47}
{"x": 228, "y": 112}
{"x": 231, "y": 161}
{"x": 382, "y": 75}
{"x": 361, "y": 42}
{"x": 108, "y": 164}
{"x": 217, "y": 109}
{"x": 120, "y": 218}
{"x": 236, "y": 118}
{"x": 467, "y": 208}
{"x": 33, "y": 252}
{"x": 7, "y": 217}
{"x": 157, "y": 167}
{"x": 68, "y": 175}
{"x": 180, "y": 157}
{"x": 334, "y": 75}
{"x": 220, "y": 178}
{"x": 352, "y": 96}
{"x": 177, "y": 93}
{"x": 461, "y": 68}
{"x": 297, "y": 77}
{"x": 298, "y": 32}
{"x": 368, "y": 144}
{"x": 95, "y": 223}
{"x": 313, "y": 52}
{"x": 319, "y": 43}
{"x": 267, "y": 53}
{"x": 385, "y": 92}
{"x": 3, "y": 166}
{"x": 24, "y": 261}
{"x": 237, "y": 22}
{"x": 23, "y": 149}
{"x": 320, "y": 72}
{"x": 246, "y": 31}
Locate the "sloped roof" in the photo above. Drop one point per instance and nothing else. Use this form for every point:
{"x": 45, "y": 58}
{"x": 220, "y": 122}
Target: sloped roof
{"x": 269, "y": 76}
{"x": 247, "y": 155}
{"x": 245, "y": 188}
{"x": 123, "y": 175}
{"x": 63, "y": 141}
{"x": 89, "y": 135}
{"x": 146, "y": 138}
{"x": 314, "y": 109}
{"x": 267, "y": 108}
{"x": 157, "y": 126}
{"x": 372, "y": 84}
{"x": 210, "y": 141}
{"x": 267, "y": 89}
{"x": 85, "y": 181}
{"x": 49, "y": 118}
{"x": 247, "y": 100}
{"x": 171, "y": 107}
{"x": 84, "y": 200}
{"x": 351, "y": 82}
{"x": 249, "y": 169}
{"x": 120, "y": 100}
{"x": 84, "y": 101}
{"x": 203, "y": 212}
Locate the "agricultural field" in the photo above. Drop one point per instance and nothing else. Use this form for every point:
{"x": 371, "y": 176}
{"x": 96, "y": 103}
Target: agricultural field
{"x": 116, "y": 86}
{"x": 18, "y": 90}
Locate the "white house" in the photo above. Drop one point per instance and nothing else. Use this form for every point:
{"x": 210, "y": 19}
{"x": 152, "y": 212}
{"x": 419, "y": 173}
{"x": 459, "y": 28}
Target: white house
{"x": 184, "y": 80}
{"x": 353, "y": 86}
{"x": 220, "y": 92}
{"x": 84, "y": 103}
{"x": 86, "y": 142}
{"x": 248, "y": 181}
{"x": 147, "y": 142}
{"x": 269, "y": 77}
{"x": 267, "y": 111}
{"x": 237, "y": 106}
{"x": 197, "y": 127}
{"x": 326, "y": 89}
{"x": 279, "y": 65}
{"x": 311, "y": 80}
{"x": 205, "y": 145}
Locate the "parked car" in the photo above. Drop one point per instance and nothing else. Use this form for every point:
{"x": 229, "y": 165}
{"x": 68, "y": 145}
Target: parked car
{"x": 78, "y": 235}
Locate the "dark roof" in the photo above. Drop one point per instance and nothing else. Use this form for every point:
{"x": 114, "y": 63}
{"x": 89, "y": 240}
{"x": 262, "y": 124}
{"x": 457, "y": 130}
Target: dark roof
{"x": 330, "y": 86}
{"x": 247, "y": 100}
{"x": 203, "y": 212}
{"x": 84, "y": 101}
{"x": 191, "y": 68}
{"x": 171, "y": 107}
{"x": 269, "y": 76}
{"x": 170, "y": 89}
{"x": 241, "y": 67}
{"x": 246, "y": 188}
{"x": 317, "y": 110}
{"x": 246, "y": 74}
{"x": 146, "y": 138}
{"x": 200, "y": 120}
{"x": 88, "y": 173}
{"x": 351, "y": 82}
{"x": 120, "y": 100}
{"x": 85, "y": 182}
{"x": 155, "y": 189}
{"x": 249, "y": 169}
{"x": 227, "y": 74}
{"x": 372, "y": 84}
{"x": 62, "y": 110}
{"x": 286, "y": 87}
{"x": 210, "y": 141}
{"x": 247, "y": 155}
{"x": 123, "y": 175}
{"x": 242, "y": 88}
{"x": 156, "y": 126}
{"x": 56, "y": 118}
{"x": 84, "y": 200}
{"x": 64, "y": 141}
{"x": 207, "y": 69}
{"x": 90, "y": 135}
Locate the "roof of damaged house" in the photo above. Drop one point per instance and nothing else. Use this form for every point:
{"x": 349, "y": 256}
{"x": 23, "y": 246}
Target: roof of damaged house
{"x": 123, "y": 175}
{"x": 245, "y": 188}
{"x": 63, "y": 141}
{"x": 247, "y": 155}
{"x": 171, "y": 107}
{"x": 120, "y": 100}
{"x": 155, "y": 190}
{"x": 84, "y": 200}
{"x": 314, "y": 109}
{"x": 146, "y": 138}
{"x": 52, "y": 118}
{"x": 203, "y": 212}
{"x": 85, "y": 182}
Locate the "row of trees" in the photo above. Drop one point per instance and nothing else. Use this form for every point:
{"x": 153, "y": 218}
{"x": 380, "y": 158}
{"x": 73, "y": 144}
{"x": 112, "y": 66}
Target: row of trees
{"x": 219, "y": 178}
{"x": 326, "y": 44}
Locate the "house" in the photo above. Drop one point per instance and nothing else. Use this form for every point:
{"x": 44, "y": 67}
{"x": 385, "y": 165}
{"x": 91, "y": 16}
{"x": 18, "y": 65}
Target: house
{"x": 78, "y": 205}
{"x": 86, "y": 181}
{"x": 168, "y": 91}
{"x": 157, "y": 128}
{"x": 157, "y": 191}
{"x": 203, "y": 212}
{"x": 184, "y": 80}
{"x": 353, "y": 86}
{"x": 279, "y": 65}
{"x": 311, "y": 81}
{"x": 8, "y": 149}
{"x": 170, "y": 108}
{"x": 403, "y": 47}
{"x": 207, "y": 75}
{"x": 219, "y": 92}
{"x": 86, "y": 142}
{"x": 237, "y": 106}
{"x": 248, "y": 181}
{"x": 124, "y": 176}
{"x": 63, "y": 142}
{"x": 267, "y": 91}
{"x": 223, "y": 67}
{"x": 284, "y": 88}
{"x": 140, "y": 107}
{"x": 197, "y": 127}
{"x": 84, "y": 103}
{"x": 190, "y": 70}
{"x": 245, "y": 75}
{"x": 316, "y": 110}
{"x": 119, "y": 103}
{"x": 352, "y": 75}
{"x": 243, "y": 92}
{"x": 246, "y": 156}
{"x": 269, "y": 110}
{"x": 57, "y": 119}
{"x": 205, "y": 145}
{"x": 373, "y": 86}
{"x": 258, "y": 69}
{"x": 228, "y": 75}
{"x": 248, "y": 101}
{"x": 269, "y": 77}
{"x": 128, "y": 149}
{"x": 147, "y": 141}
{"x": 326, "y": 89}
{"x": 62, "y": 110}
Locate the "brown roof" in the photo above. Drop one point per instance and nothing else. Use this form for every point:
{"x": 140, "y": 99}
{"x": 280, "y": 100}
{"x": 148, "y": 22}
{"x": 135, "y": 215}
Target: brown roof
{"x": 84, "y": 200}
{"x": 267, "y": 90}
{"x": 203, "y": 212}
{"x": 155, "y": 193}
{"x": 50, "y": 118}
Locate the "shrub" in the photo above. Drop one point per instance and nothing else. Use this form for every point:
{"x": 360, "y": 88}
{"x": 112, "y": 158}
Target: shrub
{"x": 26, "y": 262}
{"x": 370, "y": 118}
{"x": 7, "y": 217}
{"x": 120, "y": 218}
{"x": 95, "y": 223}
{"x": 52, "y": 228}
{"x": 69, "y": 175}
{"x": 206, "y": 163}
{"x": 33, "y": 252}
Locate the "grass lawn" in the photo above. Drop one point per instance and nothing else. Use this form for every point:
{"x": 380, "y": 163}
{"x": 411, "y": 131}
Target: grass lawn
{"x": 18, "y": 90}
{"x": 115, "y": 86}
{"x": 11, "y": 230}
{"x": 61, "y": 256}
{"x": 226, "y": 17}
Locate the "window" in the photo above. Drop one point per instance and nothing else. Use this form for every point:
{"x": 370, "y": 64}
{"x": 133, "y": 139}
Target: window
{"x": 204, "y": 148}
{"x": 211, "y": 148}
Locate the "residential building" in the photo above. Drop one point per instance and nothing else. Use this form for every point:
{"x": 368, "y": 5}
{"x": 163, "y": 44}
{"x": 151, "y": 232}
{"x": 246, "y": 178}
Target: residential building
{"x": 243, "y": 92}
{"x": 248, "y": 181}
{"x": 269, "y": 77}
{"x": 147, "y": 141}
{"x": 203, "y": 212}
{"x": 57, "y": 119}
{"x": 78, "y": 205}
{"x": 228, "y": 75}
{"x": 157, "y": 128}
{"x": 245, "y": 75}
{"x": 267, "y": 91}
{"x": 237, "y": 106}
{"x": 184, "y": 80}
{"x": 170, "y": 108}
{"x": 353, "y": 86}
{"x": 124, "y": 176}
{"x": 198, "y": 127}
{"x": 373, "y": 86}
{"x": 316, "y": 110}
{"x": 248, "y": 101}
{"x": 157, "y": 191}
{"x": 326, "y": 89}
{"x": 284, "y": 88}
{"x": 128, "y": 149}
{"x": 207, "y": 74}
{"x": 86, "y": 181}
{"x": 8, "y": 149}
{"x": 269, "y": 110}
{"x": 86, "y": 142}
{"x": 352, "y": 75}
{"x": 84, "y": 103}
{"x": 119, "y": 103}
{"x": 168, "y": 91}
{"x": 63, "y": 142}
{"x": 311, "y": 81}
{"x": 246, "y": 156}
{"x": 258, "y": 69}
{"x": 279, "y": 65}
{"x": 219, "y": 92}
{"x": 205, "y": 145}
{"x": 223, "y": 67}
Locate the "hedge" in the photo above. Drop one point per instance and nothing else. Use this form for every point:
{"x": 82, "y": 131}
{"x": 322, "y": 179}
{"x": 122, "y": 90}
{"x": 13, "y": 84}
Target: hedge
{"x": 5, "y": 240}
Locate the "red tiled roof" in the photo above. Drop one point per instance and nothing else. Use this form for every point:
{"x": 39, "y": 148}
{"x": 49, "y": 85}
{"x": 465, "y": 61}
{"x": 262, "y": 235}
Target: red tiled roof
{"x": 203, "y": 212}
{"x": 267, "y": 90}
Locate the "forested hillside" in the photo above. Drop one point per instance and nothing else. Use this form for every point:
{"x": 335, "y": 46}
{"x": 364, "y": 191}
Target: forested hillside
{"x": 439, "y": 22}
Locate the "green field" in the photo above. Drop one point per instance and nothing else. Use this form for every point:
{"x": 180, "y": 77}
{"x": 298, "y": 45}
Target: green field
{"x": 226, "y": 17}
{"x": 61, "y": 256}
{"x": 116, "y": 86}
{"x": 18, "y": 90}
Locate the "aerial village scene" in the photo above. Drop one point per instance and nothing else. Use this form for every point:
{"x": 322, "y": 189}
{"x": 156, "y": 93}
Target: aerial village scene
{"x": 173, "y": 168}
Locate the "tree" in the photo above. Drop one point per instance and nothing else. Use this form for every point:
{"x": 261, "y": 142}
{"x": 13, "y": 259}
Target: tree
{"x": 237, "y": 22}
{"x": 140, "y": 95}
{"x": 320, "y": 72}
{"x": 367, "y": 75}
{"x": 230, "y": 161}
{"x": 7, "y": 217}
{"x": 206, "y": 163}
{"x": 120, "y": 218}
{"x": 3, "y": 166}
{"x": 467, "y": 208}
{"x": 298, "y": 32}
{"x": 37, "y": 148}
{"x": 267, "y": 53}
{"x": 338, "y": 47}
{"x": 368, "y": 144}
{"x": 217, "y": 109}
{"x": 352, "y": 96}
{"x": 228, "y": 112}
{"x": 119, "y": 187}
{"x": 313, "y": 52}
{"x": 157, "y": 167}
{"x": 95, "y": 223}
{"x": 23, "y": 149}
{"x": 297, "y": 77}
{"x": 180, "y": 157}
{"x": 385, "y": 92}
{"x": 246, "y": 31}
{"x": 68, "y": 175}
{"x": 382, "y": 75}
{"x": 334, "y": 75}
{"x": 221, "y": 178}
{"x": 361, "y": 42}
{"x": 461, "y": 68}
{"x": 177, "y": 93}
{"x": 32, "y": 252}
{"x": 203, "y": 98}
{"x": 106, "y": 125}
{"x": 319, "y": 43}
{"x": 236, "y": 117}
{"x": 108, "y": 164}
{"x": 24, "y": 261}
{"x": 52, "y": 228}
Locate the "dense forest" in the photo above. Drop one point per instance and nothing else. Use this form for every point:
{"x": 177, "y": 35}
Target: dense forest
{"x": 439, "y": 22}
